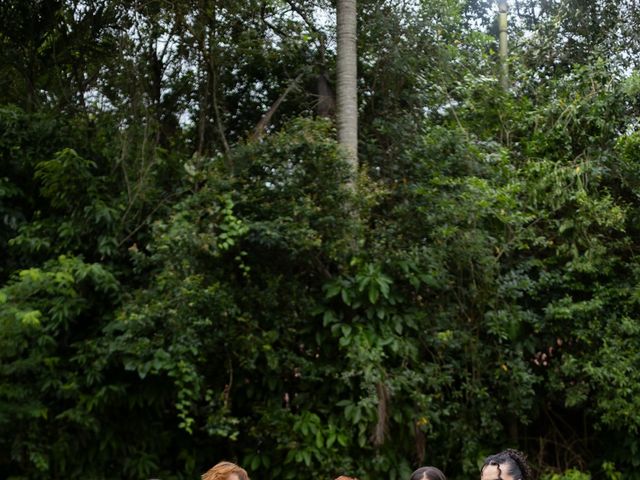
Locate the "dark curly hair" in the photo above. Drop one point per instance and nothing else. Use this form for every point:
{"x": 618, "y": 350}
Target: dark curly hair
{"x": 428, "y": 473}
{"x": 515, "y": 461}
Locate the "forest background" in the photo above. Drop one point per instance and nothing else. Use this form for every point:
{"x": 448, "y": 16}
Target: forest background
{"x": 190, "y": 272}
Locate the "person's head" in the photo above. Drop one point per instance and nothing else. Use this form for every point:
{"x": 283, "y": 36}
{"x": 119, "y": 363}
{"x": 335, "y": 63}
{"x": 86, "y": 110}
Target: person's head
{"x": 507, "y": 465}
{"x": 428, "y": 473}
{"x": 226, "y": 471}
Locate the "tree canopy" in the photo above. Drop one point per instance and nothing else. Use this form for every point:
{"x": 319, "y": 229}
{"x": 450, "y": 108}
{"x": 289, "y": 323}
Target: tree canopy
{"x": 192, "y": 273}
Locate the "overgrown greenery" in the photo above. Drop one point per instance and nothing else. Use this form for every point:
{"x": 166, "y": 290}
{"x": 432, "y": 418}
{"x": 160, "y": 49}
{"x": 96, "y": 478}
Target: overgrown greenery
{"x": 176, "y": 291}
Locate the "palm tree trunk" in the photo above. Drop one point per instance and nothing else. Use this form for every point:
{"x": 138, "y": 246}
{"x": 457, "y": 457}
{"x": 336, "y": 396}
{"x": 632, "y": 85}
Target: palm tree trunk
{"x": 346, "y": 85}
{"x": 503, "y": 49}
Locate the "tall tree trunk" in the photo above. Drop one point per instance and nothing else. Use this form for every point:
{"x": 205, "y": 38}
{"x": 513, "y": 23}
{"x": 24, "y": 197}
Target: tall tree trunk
{"x": 504, "y": 51}
{"x": 203, "y": 91}
{"x": 346, "y": 85}
{"x": 213, "y": 73}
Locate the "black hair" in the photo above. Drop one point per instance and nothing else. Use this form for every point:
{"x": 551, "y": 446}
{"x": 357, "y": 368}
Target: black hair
{"x": 428, "y": 473}
{"x": 515, "y": 461}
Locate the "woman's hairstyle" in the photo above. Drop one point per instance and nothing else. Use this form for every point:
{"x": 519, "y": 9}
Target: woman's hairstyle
{"x": 515, "y": 461}
{"x": 428, "y": 473}
{"x": 222, "y": 470}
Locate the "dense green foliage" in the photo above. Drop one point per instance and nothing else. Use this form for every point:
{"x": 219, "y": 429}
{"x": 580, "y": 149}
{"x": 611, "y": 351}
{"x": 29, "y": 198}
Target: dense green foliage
{"x": 176, "y": 291}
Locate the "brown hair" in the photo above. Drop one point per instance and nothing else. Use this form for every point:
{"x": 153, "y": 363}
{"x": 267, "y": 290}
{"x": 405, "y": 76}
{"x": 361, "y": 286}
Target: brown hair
{"x": 428, "y": 473}
{"x": 222, "y": 470}
{"x": 342, "y": 477}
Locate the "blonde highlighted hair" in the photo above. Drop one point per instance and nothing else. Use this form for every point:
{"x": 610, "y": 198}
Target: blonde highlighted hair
{"x": 223, "y": 470}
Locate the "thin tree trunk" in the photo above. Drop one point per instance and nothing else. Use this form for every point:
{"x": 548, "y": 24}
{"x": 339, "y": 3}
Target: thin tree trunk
{"x": 346, "y": 85}
{"x": 216, "y": 110}
{"x": 504, "y": 51}
{"x": 214, "y": 81}
{"x": 264, "y": 122}
{"x": 202, "y": 109}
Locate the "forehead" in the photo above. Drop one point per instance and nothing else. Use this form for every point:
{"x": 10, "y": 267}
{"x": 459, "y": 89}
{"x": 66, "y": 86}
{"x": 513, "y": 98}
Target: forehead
{"x": 233, "y": 476}
{"x": 492, "y": 472}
